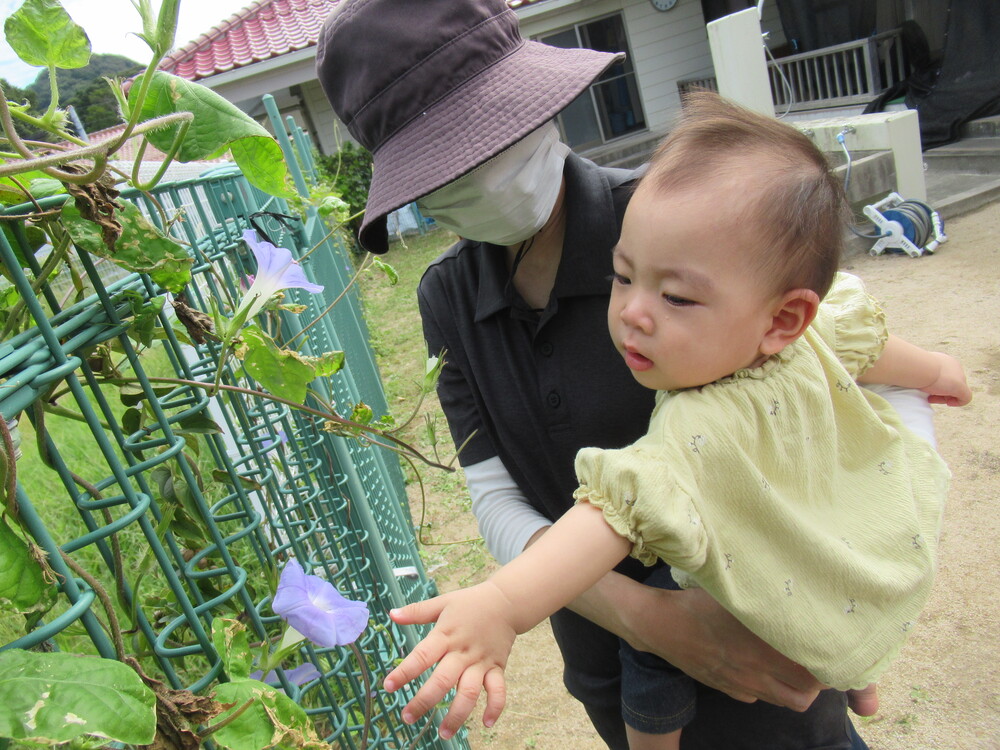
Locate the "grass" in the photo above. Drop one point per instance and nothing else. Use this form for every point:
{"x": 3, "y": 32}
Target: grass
{"x": 450, "y": 544}
{"x": 73, "y": 441}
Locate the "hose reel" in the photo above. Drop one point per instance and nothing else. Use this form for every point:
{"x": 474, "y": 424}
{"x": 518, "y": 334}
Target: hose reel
{"x": 906, "y": 226}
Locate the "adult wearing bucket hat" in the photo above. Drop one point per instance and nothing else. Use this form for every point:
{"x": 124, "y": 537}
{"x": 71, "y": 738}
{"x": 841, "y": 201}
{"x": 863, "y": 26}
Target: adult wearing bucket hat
{"x": 434, "y": 89}
{"x": 456, "y": 108}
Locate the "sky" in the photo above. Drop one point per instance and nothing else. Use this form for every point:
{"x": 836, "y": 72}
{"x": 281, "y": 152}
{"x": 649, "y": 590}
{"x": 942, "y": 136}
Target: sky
{"x": 111, "y": 24}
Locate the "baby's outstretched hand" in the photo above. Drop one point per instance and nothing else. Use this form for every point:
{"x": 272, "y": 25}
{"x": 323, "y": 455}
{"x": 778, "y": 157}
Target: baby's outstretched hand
{"x": 470, "y": 644}
{"x": 951, "y": 387}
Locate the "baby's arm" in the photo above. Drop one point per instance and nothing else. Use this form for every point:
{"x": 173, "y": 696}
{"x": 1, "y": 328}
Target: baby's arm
{"x": 908, "y": 366}
{"x": 476, "y": 627}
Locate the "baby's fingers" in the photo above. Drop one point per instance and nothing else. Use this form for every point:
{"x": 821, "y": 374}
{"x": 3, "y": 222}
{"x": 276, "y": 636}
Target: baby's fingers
{"x": 464, "y": 702}
{"x": 418, "y": 613}
{"x": 496, "y": 696}
{"x": 433, "y": 691}
{"x": 424, "y": 655}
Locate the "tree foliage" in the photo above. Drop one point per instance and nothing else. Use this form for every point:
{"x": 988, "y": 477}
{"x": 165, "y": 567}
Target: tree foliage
{"x": 82, "y": 88}
{"x": 17, "y": 94}
{"x": 350, "y": 171}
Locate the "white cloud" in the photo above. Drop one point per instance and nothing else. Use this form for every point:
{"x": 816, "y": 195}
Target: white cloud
{"x": 108, "y": 23}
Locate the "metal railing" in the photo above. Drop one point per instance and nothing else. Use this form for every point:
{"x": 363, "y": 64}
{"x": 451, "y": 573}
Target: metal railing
{"x": 853, "y": 73}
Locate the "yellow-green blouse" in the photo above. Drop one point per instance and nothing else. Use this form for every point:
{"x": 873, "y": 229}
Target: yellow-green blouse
{"x": 798, "y": 500}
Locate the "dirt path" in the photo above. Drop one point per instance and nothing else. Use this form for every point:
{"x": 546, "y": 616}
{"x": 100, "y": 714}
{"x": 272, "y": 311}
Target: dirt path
{"x": 943, "y": 692}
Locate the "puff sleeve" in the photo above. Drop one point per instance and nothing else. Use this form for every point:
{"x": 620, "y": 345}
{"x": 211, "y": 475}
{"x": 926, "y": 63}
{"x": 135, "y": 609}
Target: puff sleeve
{"x": 644, "y": 502}
{"x": 852, "y": 324}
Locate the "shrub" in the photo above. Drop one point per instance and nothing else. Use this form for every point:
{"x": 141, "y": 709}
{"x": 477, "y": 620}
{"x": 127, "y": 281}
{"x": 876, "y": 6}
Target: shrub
{"x": 350, "y": 170}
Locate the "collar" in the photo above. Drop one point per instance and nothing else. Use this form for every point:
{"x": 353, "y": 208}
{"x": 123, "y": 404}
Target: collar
{"x": 592, "y": 228}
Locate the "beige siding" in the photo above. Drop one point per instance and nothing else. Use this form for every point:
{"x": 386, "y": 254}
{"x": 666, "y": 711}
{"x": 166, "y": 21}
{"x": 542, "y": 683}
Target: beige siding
{"x": 666, "y": 47}
{"x": 539, "y": 20}
{"x": 330, "y": 131}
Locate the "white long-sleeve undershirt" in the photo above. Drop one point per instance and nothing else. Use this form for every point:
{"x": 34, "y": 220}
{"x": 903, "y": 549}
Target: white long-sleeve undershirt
{"x": 506, "y": 519}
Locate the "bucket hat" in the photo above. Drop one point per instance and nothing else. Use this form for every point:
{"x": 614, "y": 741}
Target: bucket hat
{"x": 434, "y": 88}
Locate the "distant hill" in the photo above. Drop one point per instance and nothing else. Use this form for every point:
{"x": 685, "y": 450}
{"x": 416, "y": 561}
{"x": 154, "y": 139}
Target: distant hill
{"x": 73, "y": 81}
{"x": 85, "y": 90}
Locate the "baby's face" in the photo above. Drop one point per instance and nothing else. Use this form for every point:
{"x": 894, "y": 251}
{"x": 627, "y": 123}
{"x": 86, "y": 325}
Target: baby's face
{"x": 687, "y": 307}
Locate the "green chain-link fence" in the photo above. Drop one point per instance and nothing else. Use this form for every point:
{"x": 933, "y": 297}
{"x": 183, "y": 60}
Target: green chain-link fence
{"x": 183, "y": 531}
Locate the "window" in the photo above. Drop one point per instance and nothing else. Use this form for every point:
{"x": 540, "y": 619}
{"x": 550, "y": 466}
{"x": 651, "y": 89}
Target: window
{"x": 610, "y": 108}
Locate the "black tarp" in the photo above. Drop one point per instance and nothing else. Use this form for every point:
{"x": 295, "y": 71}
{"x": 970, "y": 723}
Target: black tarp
{"x": 713, "y": 9}
{"x": 814, "y": 24}
{"x": 966, "y": 83}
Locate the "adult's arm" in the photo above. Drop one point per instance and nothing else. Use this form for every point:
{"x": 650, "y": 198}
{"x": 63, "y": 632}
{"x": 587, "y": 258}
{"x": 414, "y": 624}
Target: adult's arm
{"x": 506, "y": 520}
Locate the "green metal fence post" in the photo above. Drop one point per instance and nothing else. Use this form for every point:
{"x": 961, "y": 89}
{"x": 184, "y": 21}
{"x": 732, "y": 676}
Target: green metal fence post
{"x": 286, "y": 147}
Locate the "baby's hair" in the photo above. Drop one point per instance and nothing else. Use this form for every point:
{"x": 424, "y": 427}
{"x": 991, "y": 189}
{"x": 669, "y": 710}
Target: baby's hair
{"x": 792, "y": 200}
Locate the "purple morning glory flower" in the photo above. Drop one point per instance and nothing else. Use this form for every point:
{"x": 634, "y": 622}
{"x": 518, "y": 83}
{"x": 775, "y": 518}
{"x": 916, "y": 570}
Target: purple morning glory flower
{"x": 276, "y": 270}
{"x": 274, "y": 442}
{"x": 299, "y": 676}
{"x": 316, "y": 609}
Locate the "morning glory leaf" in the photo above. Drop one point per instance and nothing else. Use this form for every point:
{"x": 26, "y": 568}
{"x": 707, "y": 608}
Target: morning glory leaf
{"x": 21, "y": 583}
{"x": 45, "y": 187}
{"x": 42, "y": 33}
{"x": 56, "y": 697}
{"x": 389, "y": 271}
{"x": 34, "y": 238}
{"x": 141, "y": 246}
{"x": 316, "y": 609}
{"x": 39, "y": 185}
{"x": 273, "y": 720}
{"x": 362, "y": 413}
{"x": 334, "y": 206}
{"x": 327, "y": 364}
{"x": 262, "y": 162}
{"x": 218, "y": 125}
{"x": 233, "y": 645}
{"x": 280, "y": 371}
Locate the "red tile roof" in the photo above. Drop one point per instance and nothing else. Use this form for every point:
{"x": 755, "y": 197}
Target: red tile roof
{"x": 263, "y": 30}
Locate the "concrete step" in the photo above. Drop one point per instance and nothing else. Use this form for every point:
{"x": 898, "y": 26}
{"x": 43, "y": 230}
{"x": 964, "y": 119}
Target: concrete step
{"x": 952, "y": 194}
{"x": 976, "y": 155}
{"x": 984, "y": 127}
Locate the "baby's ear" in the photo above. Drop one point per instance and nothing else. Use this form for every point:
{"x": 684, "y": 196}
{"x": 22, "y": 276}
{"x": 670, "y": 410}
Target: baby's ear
{"x": 789, "y": 320}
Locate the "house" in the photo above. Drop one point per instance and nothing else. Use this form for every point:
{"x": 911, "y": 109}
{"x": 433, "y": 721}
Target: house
{"x": 269, "y": 47}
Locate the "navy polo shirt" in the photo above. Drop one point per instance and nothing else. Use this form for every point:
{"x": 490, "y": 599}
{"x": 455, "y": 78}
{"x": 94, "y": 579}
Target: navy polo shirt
{"x": 535, "y": 387}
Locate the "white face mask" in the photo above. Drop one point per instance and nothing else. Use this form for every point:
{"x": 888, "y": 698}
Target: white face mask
{"x": 509, "y": 198}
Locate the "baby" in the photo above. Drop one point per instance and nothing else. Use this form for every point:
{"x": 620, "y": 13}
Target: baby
{"x": 767, "y": 476}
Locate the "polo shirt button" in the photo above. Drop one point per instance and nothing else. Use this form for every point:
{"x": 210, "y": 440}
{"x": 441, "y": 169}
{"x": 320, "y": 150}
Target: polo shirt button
{"x": 553, "y": 399}
{"x": 546, "y": 349}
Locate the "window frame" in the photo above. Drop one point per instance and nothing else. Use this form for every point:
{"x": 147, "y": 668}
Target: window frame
{"x": 599, "y": 113}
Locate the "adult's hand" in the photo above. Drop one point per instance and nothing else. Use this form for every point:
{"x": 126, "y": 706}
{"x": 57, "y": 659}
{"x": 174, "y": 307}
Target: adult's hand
{"x": 698, "y": 636}
{"x": 714, "y": 648}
